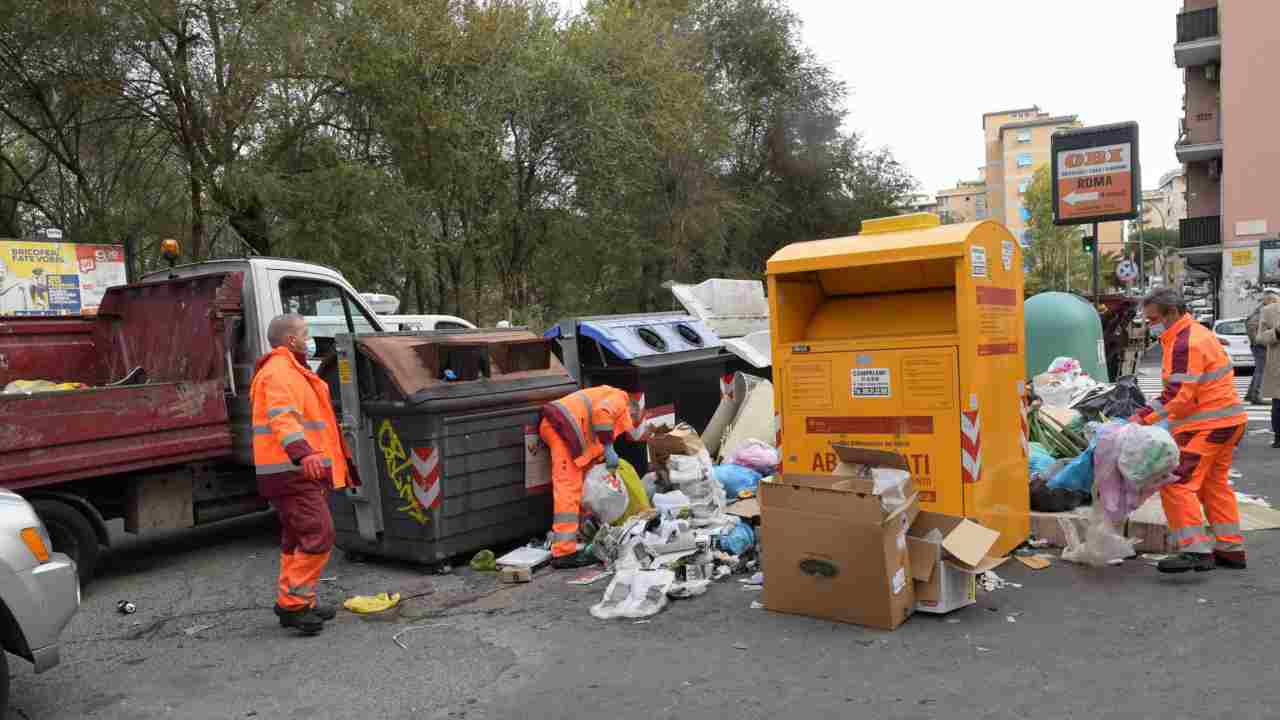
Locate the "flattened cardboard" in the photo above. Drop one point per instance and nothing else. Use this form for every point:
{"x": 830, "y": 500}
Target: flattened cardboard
{"x": 925, "y": 556}
{"x": 748, "y": 509}
{"x": 969, "y": 542}
{"x": 851, "y": 457}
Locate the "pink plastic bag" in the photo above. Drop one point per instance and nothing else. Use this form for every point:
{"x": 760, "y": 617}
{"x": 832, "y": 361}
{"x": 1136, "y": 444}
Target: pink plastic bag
{"x": 757, "y": 455}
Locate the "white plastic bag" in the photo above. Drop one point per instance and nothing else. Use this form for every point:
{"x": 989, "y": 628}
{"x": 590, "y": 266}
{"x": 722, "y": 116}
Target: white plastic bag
{"x": 1102, "y": 545}
{"x": 1147, "y": 454}
{"x": 635, "y": 594}
{"x": 604, "y": 494}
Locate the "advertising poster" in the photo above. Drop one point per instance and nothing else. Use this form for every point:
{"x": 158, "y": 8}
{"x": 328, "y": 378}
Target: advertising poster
{"x": 52, "y": 278}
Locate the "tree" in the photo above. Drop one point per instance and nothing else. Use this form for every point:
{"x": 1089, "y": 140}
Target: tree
{"x": 1055, "y": 259}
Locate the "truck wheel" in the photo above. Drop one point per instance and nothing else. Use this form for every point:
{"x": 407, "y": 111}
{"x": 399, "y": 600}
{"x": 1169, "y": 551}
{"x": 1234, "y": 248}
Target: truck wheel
{"x": 71, "y": 533}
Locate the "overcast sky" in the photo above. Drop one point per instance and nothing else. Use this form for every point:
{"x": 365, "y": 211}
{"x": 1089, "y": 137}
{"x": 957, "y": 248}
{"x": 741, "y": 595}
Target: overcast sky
{"x": 922, "y": 72}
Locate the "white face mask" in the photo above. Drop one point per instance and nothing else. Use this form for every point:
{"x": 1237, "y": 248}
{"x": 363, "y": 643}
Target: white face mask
{"x": 311, "y": 347}
{"x": 1158, "y": 329}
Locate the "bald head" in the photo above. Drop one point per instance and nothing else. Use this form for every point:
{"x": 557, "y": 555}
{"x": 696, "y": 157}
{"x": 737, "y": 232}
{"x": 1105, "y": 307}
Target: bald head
{"x": 283, "y": 327}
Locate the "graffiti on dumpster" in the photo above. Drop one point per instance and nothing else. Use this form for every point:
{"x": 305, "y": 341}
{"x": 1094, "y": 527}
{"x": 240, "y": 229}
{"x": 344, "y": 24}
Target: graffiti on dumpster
{"x": 416, "y": 473}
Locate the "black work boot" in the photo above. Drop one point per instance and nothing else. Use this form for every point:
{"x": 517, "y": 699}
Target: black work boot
{"x": 1185, "y": 562}
{"x": 1232, "y": 559}
{"x": 326, "y": 612}
{"x": 1276, "y": 443}
{"x": 577, "y": 560}
{"x": 306, "y": 620}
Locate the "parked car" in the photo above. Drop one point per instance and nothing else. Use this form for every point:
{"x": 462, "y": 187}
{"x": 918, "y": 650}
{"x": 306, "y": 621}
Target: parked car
{"x": 1232, "y": 335}
{"x": 419, "y": 323}
{"x": 38, "y": 590}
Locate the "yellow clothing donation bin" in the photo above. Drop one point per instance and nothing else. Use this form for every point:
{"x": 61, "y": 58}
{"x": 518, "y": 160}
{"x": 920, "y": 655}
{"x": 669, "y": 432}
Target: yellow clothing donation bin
{"x": 909, "y": 337}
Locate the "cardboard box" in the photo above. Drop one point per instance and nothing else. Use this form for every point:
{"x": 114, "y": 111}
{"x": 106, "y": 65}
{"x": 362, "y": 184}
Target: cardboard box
{"x": 946, "y": 572}
{"x": 1048, "y": 526}
{"x": 835, "y": 550}
{"x": 516, "y": 575}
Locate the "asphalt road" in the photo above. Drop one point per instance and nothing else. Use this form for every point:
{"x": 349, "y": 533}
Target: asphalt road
{"x": 1119, "y": 642}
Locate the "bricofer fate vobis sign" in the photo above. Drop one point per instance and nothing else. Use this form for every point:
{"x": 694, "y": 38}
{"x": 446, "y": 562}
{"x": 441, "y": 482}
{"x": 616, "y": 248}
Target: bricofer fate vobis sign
{"x": 1096, "y": 175}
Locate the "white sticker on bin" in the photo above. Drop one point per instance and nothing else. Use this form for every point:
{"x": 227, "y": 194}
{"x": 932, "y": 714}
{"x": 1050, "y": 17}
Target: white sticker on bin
{"x": 899, "y": 580}
{"x": 871, "y": 382}
{"x": 978, "y": 260}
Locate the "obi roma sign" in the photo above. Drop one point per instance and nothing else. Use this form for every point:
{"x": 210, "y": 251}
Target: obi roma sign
{"x": 1095, "y": 174}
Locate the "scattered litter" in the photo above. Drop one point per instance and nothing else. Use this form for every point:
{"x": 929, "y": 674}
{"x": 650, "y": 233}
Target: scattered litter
{"x": 195, "y": 629}
{"x": 1035, "y": 562}
{"x": 1153, "y": 558}
{"x": 991, "y": 582}
{"x": 1248, "y": 499}
{"x": 642, "y": 622}
{"x": 126, "y": 608}
{"x": 1010, "y": 618}
{"x": 1201, "y": 601}
{"x": 757, "y": 579}
{"x": 752, "y": 588}
{"x": 979, "y": 648}
{"x": 1235, "y": 474}
{"x": 1038, "y": 543}
{"x": 396, "y": 638}
{"x": 329, "y": 579}
{"x": 635, "y": 594}
{"x": 590, "y": 577}
{"x": 513, "y": 575}
{"x": 953, "y": 621}
{"x": 740, "y": 646}
{"x": 757, "y": 605}
{"x": 369, "y": 604}
{"x": 525, "y": 557}
{"x": 689, "y": 589}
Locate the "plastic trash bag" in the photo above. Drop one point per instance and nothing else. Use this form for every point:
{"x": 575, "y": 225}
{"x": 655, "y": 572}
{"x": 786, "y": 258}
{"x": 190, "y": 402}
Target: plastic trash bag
{"x": 637, "y": 496}
{"x": 1120, "y": 400}
{"x": 673, "y": 504}
{"x": 650, "y": 482}
{"x": 635, "y": 594}
{"x": 738, "y": 540}
{"x": 1040, "y": 460}
{"x": 757, "y": 455}
{"x": 737, "y": 478}
{"x": 603, "y": 493}
{"x": 1132, "y": 463}
{"x": 484, "y": 561}
{"x": 1101, "y": 545}
{"x": 1078, "y": 475}
{"x": 1148, "y": 454}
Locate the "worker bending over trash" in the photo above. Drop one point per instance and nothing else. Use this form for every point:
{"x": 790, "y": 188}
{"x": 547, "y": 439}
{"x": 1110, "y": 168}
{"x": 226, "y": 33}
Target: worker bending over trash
{"x": 300, "y": 457}
{"x": 1207, "y": 420}
{"x": 580, "y": 430}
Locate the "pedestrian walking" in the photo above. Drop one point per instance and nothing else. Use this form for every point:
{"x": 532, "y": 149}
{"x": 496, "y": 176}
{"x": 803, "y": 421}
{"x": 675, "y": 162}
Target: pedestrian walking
{"x": 1207, "y": 420}
{"x": 1269, "y": 336}
{"x": 300, "y": 458}
{"x": 1251, "y": 325}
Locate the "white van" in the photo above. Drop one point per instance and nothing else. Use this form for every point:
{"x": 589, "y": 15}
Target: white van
{"x": 419, "y": 323}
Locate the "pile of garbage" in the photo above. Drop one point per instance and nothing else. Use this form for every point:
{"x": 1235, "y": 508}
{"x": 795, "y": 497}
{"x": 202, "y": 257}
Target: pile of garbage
{"x": 1066, "y": 410}
{"x": 685, "y": 535}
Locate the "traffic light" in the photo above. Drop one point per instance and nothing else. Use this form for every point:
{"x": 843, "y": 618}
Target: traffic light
{"x": 1087, "y": 243}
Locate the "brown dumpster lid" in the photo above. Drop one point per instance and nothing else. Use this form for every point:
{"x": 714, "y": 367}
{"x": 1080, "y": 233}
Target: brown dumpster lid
{"x": 400, "y": 355}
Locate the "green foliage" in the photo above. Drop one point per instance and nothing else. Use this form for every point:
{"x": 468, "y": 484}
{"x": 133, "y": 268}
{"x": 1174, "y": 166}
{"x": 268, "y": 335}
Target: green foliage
{"x": 487, "y": 158}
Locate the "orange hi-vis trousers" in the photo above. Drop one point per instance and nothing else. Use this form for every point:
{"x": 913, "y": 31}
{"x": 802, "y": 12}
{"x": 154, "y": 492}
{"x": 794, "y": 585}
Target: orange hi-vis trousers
{"x": 1204, "y": 469}
{"x": 566, "y": 488}
{"x": 306, "y": 542}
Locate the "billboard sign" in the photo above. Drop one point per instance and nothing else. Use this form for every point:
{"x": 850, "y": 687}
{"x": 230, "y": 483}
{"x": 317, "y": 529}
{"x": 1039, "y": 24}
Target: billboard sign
{"x": 1096, "y": 176}
{"x": 53, "y": 278}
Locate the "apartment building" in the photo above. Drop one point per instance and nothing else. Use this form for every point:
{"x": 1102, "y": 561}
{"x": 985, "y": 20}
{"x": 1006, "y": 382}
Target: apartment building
{"x": 1165, "y": 205}
{"x": 1017, "y": 143}
{"x": 1228, "y": 143}
{"x": 966, "y": 202}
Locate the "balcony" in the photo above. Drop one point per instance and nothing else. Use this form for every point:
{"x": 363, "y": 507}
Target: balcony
{"x": 1200, "y": 232}
{"x": 1198, "y": 40}
{"x": 1199, "y": 138}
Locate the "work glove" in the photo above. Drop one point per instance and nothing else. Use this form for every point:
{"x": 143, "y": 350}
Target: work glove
{"x": 313, "y": 467}
{"x": 610, "y": 457}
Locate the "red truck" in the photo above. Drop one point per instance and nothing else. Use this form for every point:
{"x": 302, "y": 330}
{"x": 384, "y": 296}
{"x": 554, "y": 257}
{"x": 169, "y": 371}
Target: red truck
{"x": 161, "y": 434}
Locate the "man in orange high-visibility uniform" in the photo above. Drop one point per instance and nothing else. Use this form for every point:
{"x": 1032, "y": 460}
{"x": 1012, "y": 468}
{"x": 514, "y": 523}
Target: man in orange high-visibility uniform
{"x": 300, "y": 458}
{"x": 580, "y": 429}
{"x": 1207, "y": 420}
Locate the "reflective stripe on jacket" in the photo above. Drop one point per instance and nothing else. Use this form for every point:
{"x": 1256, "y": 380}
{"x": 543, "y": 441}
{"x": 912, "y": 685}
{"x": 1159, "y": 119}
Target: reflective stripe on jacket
{"x": 1199, "y": 389}
{"x": 588, "y": 419}
{"x": 292, "y": 418}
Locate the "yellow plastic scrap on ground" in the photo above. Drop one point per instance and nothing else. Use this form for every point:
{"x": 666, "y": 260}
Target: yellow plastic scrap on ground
{"x": 27, "y": 387}
{"x": 369, "y": 604}
{"x": 637, "y": 498}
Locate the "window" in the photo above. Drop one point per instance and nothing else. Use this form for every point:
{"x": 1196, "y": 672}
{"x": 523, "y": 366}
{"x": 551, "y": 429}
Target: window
{"x": 1024, "y": 160}
{"x": 328, "y": 309}
{"x": 1024, "y": 136}
{"x": 1023, "y": 185}
{"x": 1025, "y": 214}
{"x": 450, "y": 325}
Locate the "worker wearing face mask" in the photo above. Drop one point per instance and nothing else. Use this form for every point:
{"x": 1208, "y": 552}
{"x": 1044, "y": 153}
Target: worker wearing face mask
{"x": 300, "y": 458}
{"x": 1207, "y": 420}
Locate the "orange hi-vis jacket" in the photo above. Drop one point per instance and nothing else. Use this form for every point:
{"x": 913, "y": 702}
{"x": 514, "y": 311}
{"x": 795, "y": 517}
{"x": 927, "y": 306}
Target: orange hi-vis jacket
{"x": 292, "y": 418}
{"x": 1199, "y": 389}
{"x": 589, "y": 419}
